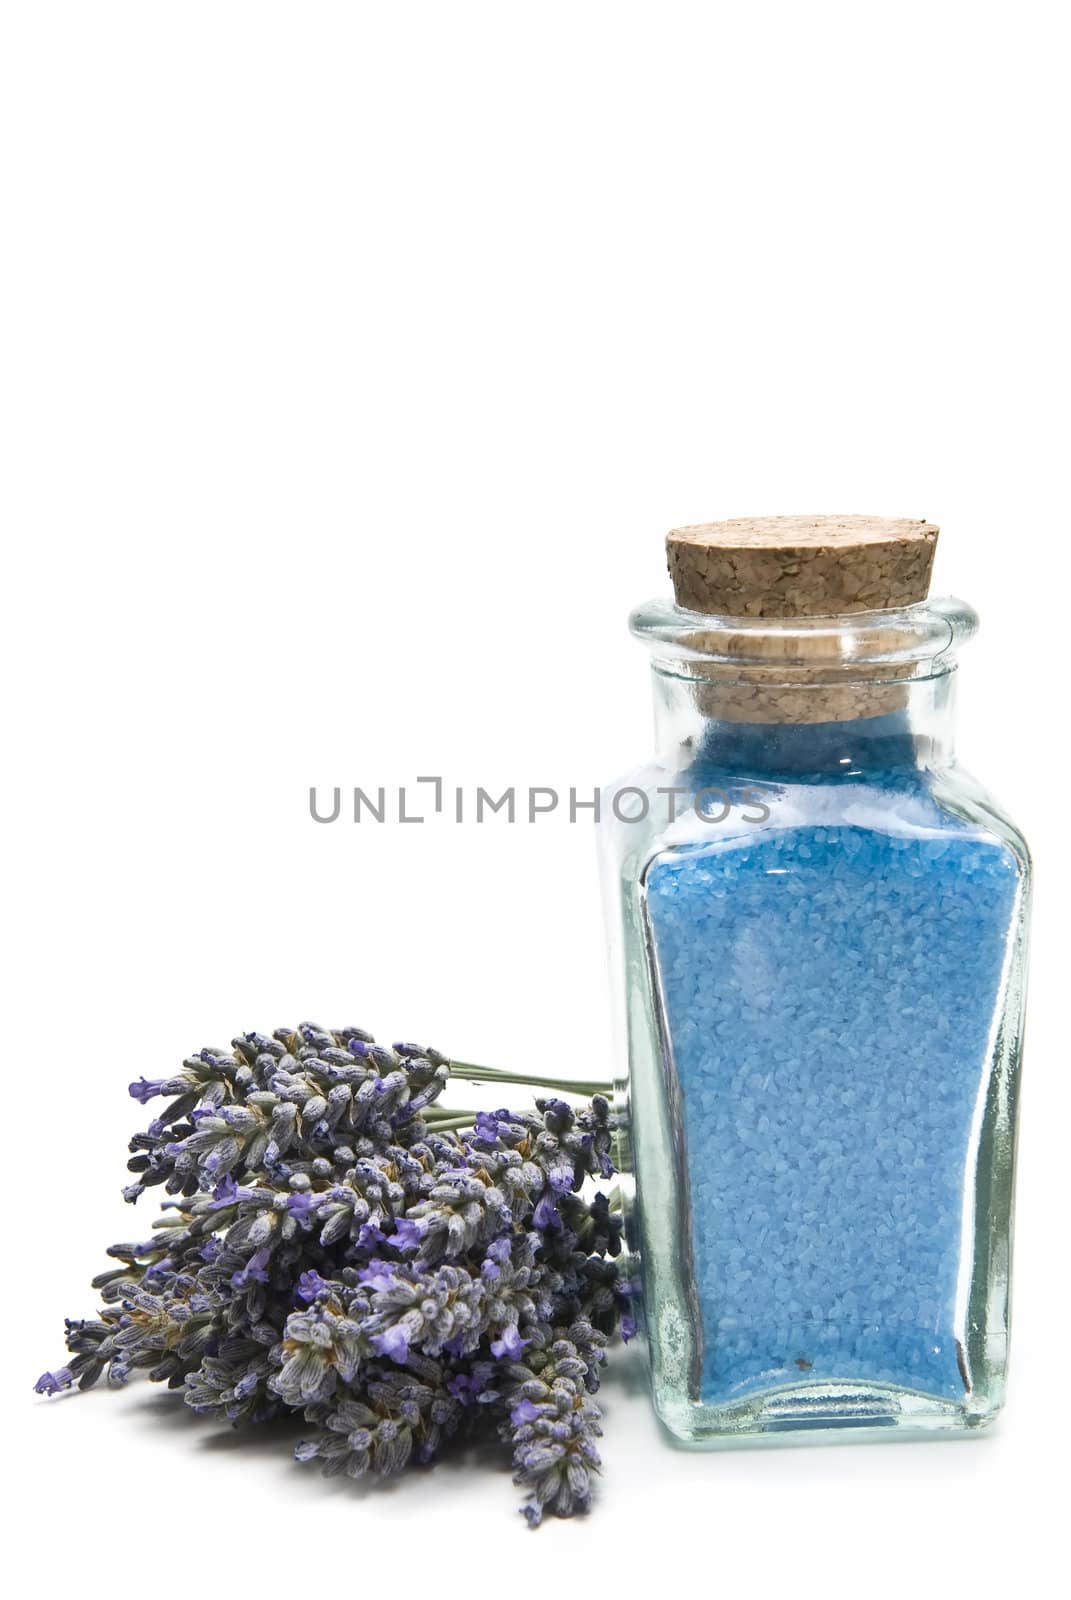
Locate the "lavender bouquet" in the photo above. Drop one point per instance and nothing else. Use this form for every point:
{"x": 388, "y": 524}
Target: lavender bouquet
{"x": 343, "y": 1246}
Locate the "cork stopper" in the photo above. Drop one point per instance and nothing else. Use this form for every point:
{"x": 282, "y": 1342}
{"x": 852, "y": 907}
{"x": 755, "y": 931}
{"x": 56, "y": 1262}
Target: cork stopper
{"x": 801, "y": 566}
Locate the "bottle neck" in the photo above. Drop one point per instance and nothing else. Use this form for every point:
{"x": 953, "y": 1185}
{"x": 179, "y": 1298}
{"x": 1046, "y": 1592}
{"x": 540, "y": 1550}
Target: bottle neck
{"x": 901, "y": 727}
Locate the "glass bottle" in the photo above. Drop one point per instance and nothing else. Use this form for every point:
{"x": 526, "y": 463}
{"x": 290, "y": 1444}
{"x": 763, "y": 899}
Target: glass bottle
{"x": 818, "y": 928}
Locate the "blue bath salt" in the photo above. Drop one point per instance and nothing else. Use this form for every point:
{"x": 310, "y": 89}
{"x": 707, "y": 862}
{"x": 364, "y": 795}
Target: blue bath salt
{"x": 828, "y": 984}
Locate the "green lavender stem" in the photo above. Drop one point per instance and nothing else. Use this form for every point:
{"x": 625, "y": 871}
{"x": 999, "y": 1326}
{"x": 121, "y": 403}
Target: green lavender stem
{"x": 445, "y": 1119}
{"x": 584, "y": 1086}
{"x": 454, "y": 1124}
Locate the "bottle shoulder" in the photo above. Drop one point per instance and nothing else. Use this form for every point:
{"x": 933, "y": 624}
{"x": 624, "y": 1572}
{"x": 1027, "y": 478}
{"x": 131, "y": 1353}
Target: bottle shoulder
{"x": 654, "y": 808}
{"x": 962, "y": 795}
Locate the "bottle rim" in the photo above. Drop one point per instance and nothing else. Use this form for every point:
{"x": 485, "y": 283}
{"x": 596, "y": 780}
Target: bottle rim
{"x": 920, "y": 640}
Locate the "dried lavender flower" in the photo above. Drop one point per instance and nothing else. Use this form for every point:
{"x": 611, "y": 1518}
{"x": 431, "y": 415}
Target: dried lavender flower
{"x": 340, "y": 1245}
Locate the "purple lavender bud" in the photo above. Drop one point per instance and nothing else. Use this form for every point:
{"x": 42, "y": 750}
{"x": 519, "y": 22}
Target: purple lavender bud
{"x": 487, "y": 1126}
{"x": 393, "y": 1343}
{"x": 546, "y": 1214}
{"x": 380, "y": 1275}
{"x": 302, "y": 1206}
{"x": 407, "y": 1234}
{"x": 254, "y": 1270}
{"x": 628, "y": 1327}
{"x": 309, "y": 1285}
{"x": 226, "y": 1192}
{"x": 524, "y": 1411}
{"x": 145, "y": 1089}
{"x": 53, "y": 1382}
{"x": 472, "y": 1386}
{"x": 509, "y": 1343}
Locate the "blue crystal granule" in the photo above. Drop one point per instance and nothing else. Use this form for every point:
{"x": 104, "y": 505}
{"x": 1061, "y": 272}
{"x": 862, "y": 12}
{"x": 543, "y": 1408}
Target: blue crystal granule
{"x": 828, "y": 985}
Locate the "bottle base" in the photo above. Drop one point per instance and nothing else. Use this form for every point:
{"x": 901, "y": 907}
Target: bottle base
{"x": 802, "y": 1413}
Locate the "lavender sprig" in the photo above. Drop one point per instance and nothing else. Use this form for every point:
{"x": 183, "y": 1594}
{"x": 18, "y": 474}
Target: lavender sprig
{"x": 340, "y": 1245}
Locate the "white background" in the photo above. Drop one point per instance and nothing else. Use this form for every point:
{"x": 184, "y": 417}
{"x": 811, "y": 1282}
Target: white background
{"x": 356, "y": 360}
